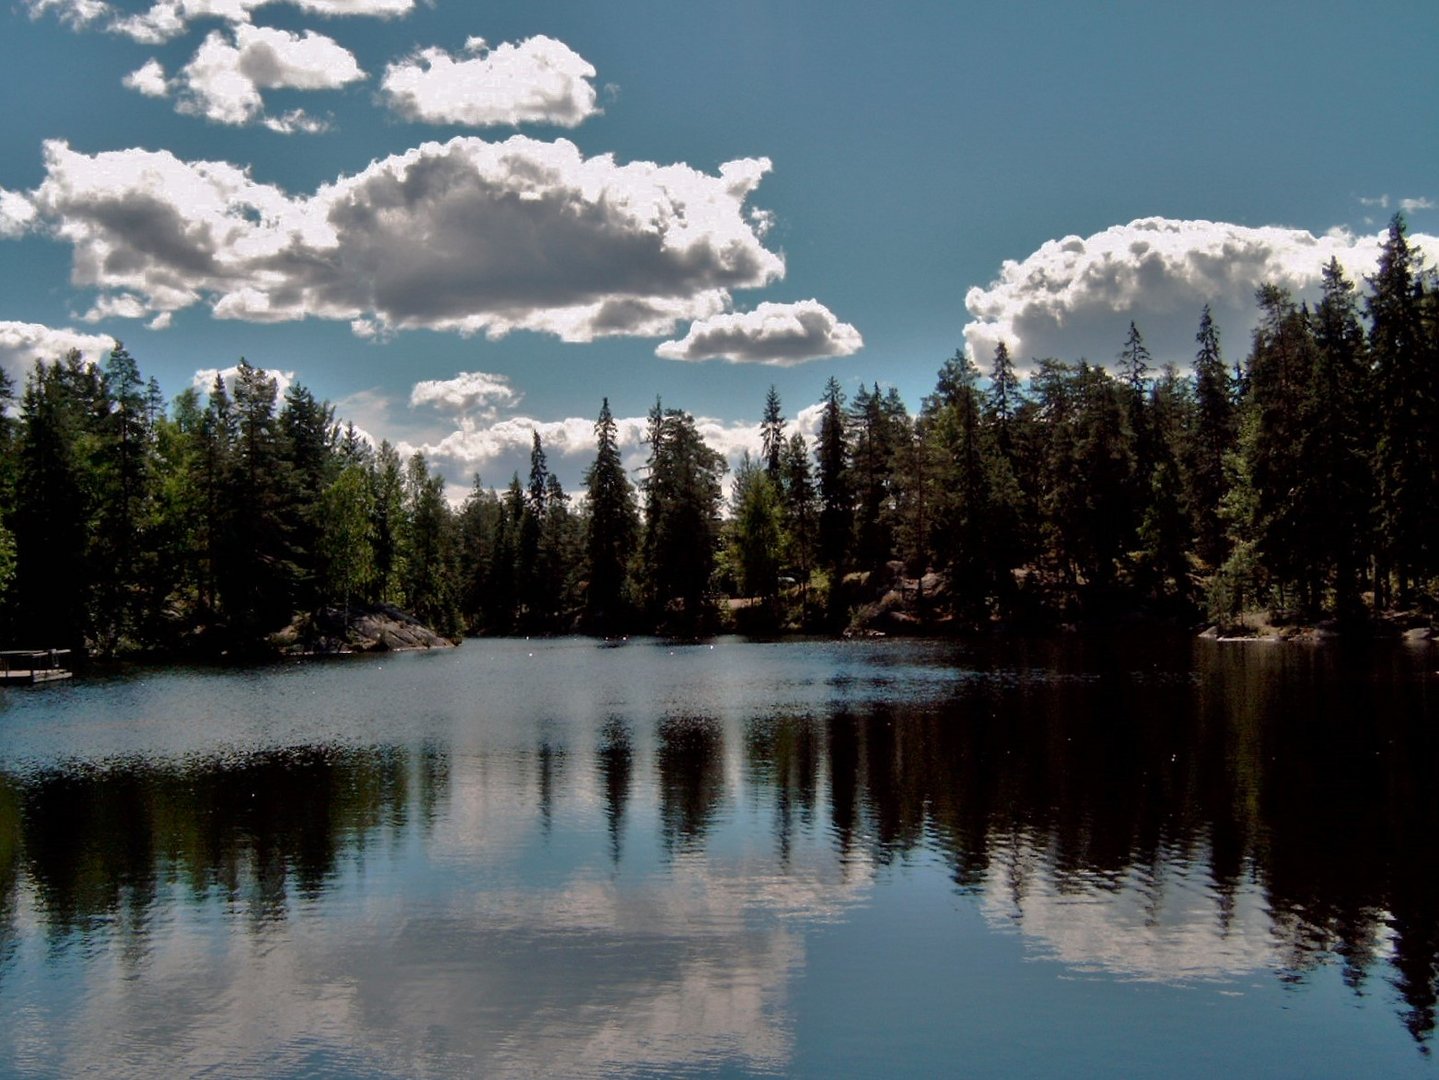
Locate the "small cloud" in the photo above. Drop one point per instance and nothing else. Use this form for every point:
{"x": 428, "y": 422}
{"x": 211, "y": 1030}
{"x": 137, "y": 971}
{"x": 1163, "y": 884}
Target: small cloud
{"x": 1410, "y": 205}
{"x": 1380, "y": 201}
{"x": 297, "y": 120}
{"x": 538, "y": 81}
{"x": 775, "y": 334}
{"x": 222, "y": 83}
{"x": 465, "y": 393}
{"x": 165, "y": 20}
{"x": 17, "y": 213}
{"x": 121, "y": 306}
{"x": 149, "y": 79}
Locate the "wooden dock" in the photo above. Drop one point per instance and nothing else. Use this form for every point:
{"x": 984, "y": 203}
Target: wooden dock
{"x": 26, "y": 667}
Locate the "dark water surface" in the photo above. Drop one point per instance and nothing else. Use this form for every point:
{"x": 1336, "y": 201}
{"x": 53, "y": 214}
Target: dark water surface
{"x": 815, "y": 859}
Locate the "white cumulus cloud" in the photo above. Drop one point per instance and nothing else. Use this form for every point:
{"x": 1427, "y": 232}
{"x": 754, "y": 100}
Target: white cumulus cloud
{"x": 1075, "y": 297}
{"x": 467, "y": 236}
{"x": 222, "y": 83}
{"x": 117, "y": 306}
{"x": 149, "y": 79}
{"x": 465, "y": 393}
{"x": 539, "y": 80}
{"x": 777, "y": 334}
{"x": 17, "y": 213}
{"x": 167, "y": 19}
{"x": 22, "y": 343}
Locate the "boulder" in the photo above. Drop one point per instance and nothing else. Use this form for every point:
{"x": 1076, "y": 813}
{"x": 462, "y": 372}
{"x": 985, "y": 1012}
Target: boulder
{"x": 364, "y": 628}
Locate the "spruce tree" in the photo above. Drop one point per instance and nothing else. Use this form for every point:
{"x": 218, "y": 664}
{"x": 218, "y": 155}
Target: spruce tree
{"x": 756, "y": 536}
{"x": 801, "y": 513}
{"x": 682, "y": 520}
{"x": 1405, "y": 387}
{"x": 1213, "y": 437}
{"x": 832, "y": 460}
{"x": 611, "y": 529}
{"x": 771, "y": 431}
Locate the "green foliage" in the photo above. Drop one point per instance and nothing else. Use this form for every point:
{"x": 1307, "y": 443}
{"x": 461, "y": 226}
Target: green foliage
{"x": 1307, "y": 480}
{"x": 682, "y": 521}
{"x": 346, "y": 540}
{"x": 611, "y": 529}
{"x": 757, "y": 526}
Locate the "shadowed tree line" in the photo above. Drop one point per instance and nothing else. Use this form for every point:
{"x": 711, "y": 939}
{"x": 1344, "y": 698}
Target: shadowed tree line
{"x": 1303, "y": 479}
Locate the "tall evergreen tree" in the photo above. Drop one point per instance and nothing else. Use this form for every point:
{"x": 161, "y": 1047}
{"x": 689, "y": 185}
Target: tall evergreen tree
{"x": 256, "y": 573}
{"x": 682, "y": 520}
{"x": 611, "y": 529}
{"x": 801, "y": 515}
{"x": 54, "y": 576}
{"x": 124, "y": 497}
{"x": 1339, "y": 443}
{"x": 771, "y": 431}
{"x": 1408, "y": 405}
{"x": 1287, "y": 502}
{"x": 756, "y": 535}
{"x": 1214, "y": 436}
{"x": 961, "y": 542}
{"x": 529, "y": 571}
{"x": 832, "y": 460}
{"x": 308, "y": 444}
{"x": 477, "y": 526}
{"x": 387, "y": 486}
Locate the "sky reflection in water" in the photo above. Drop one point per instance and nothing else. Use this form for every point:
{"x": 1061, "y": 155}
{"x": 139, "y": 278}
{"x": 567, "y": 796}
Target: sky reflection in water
{"x": 818, "y": 858}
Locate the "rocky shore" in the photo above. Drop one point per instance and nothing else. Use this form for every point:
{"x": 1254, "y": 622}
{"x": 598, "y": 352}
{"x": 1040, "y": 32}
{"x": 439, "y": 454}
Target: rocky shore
{"x": 363, "y": 628}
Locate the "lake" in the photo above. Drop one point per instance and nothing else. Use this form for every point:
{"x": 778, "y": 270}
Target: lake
{"x": 811, "y": 858}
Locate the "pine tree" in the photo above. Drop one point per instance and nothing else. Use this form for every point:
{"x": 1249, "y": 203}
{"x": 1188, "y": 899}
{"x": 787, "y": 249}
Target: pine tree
{"x": 477, "y": 526}
{"x": 682, "y": 520}
{"x": 1214, "y": 434}
{"x": 771, "y": 430}
{"x": 756, "y": 535}
{"x": 962, "y": 512}
{"x": 1287, "y": 501}
{"x": 611, "y": 530}
{"x": 213, "y": 465}
{"x": 124, "y": 497}
{"x": 431, "y": 589}
{"x": 1165, "y": 534}
{"x": 801, "y": 514}
{"x": 54, "y": 575}
{"x": 1405, "y": 387}
{"x": 387, "y": 488}
{"x": 256, "y": 572}
{"x": 878, "y": 425}
{"x": 529, "y": 571}
{"x": 1339, "y": 444}
{"x": 308, "y": 444}
{"x": 832, "y": 460}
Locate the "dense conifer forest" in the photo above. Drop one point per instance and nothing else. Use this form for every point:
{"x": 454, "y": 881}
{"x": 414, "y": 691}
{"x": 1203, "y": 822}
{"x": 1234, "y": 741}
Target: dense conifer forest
{"x": 1301, "y": 480}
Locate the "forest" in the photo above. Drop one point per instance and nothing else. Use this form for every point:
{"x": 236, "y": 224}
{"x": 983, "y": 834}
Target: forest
{"x": 1301, "y": 481}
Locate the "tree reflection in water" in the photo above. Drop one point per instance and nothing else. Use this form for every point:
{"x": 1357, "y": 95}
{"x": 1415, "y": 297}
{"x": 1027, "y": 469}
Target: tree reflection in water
{"x": 1038, "y": 785}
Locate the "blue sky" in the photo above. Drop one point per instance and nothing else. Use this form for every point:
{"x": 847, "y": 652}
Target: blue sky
{"x": 791, "y": 191}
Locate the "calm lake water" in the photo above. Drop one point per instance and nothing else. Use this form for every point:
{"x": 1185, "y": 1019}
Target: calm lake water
{"x": 808, "y": 858}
